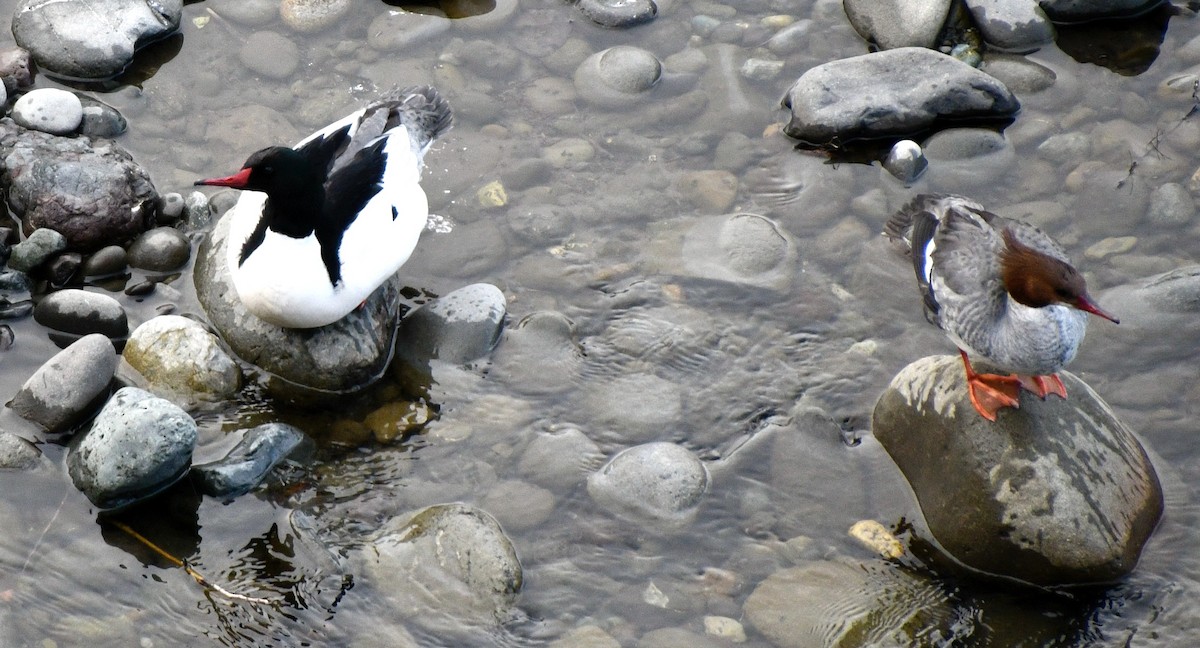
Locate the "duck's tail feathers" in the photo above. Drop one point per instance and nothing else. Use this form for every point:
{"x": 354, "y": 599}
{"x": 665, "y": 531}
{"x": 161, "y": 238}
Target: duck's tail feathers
{"x": 423, "y": 112}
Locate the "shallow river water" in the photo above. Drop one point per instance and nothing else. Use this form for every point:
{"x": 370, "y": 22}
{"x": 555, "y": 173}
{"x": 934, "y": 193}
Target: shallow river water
{"x": 627, "y": 262}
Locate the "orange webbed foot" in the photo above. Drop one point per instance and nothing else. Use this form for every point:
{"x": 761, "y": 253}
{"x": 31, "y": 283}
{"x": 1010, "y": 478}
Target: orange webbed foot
{"x": 1044, "y": 385}
{"x": 991, "y": 392}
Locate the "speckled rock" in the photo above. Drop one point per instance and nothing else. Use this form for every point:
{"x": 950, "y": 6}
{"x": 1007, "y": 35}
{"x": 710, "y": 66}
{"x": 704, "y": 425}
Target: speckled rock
{"x": 1057, "y": 492}
{"x": 90, "y": 191}
{"x": 898, "y": 23}
{"x": 16, "y": 69}
{"x": 82, "y": 312}
{"x": 658, "y": 485}
{"x": 69, "y": 385}
{"x": 92, "y": 39}
{"x": 178, "y": 357}
{"x": 138, "y": 445}
{"x": 49, "y": 110}
{"x": 34, "y": 251}
{"x": 248, "y": 463}
{"x": 447, "y": 559}
{"x": 891, "y": 93}
{"x": 345, "y": 356}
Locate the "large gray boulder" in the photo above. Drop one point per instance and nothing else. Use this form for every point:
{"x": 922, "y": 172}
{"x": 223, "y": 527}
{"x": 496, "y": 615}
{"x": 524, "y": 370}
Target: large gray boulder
{"x": 90, "y": 191}
{"x": 92, "y": 39}
{"x": 891, "y": 93}
{"x": 343, "y": 357}
{"x": 1057, "y": 492}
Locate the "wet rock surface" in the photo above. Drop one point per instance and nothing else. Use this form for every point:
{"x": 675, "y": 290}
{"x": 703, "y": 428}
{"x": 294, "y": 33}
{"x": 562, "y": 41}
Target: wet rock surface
{"x": 891, "y": 93}
{"x": 248, "y": 463}
{"x": 897, "y": 23}
{"x": 1057, "y": 492}
{"x": 90, "y": 191}
{"x": 459, "y": 327}
{"x": 80, "y": 312}
{"x": 178, "y": 357}
{"x": 67, "y": 388}
{"x": 659, "y": 485}
{"x": 345, "y": 356}
{"x": 138, "y": 445}
{"x": 447, "y": 559}
{"x": 92, "y": 39}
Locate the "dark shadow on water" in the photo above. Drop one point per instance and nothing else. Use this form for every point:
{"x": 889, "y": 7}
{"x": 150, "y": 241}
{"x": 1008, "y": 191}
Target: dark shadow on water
{"x": 1127, "y": 46}
{"x": 452, "y": 8}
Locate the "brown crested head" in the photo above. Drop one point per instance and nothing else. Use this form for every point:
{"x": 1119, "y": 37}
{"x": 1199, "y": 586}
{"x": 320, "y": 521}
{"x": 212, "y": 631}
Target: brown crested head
{"x": 1037, "y": 279}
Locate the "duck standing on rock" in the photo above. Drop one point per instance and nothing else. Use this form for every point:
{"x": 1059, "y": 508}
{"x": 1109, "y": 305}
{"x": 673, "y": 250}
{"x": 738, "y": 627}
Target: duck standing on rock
{"x": 320, "y": 226}
{"x": 1001, "y": 289}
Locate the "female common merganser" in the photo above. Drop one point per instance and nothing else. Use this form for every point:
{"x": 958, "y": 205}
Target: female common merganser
{"x": 320, "y": 226}
{"x": 1001, "y": 289}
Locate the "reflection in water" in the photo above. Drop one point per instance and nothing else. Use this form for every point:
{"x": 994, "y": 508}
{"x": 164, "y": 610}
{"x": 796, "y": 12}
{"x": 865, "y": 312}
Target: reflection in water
{"x": 1127, "y": 46}
{"x": 452, "y": 8}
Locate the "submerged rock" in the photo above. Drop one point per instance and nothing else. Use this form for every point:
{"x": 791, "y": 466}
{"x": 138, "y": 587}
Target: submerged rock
{"x": 1057, "y": 492}
{"x": 345, "y": 356}
{"x": 138, "y": 445}
{"x": 655, "y": 484}
{"x": 459, "y": 327}
{"x": 447, "y": 559}
{"x": 841, "y": 603}
{"x": 67, "y": 388}
{"x": 891, "y": 93}
{"x": 92, "y": 39}
{"x": 249, "y": 462}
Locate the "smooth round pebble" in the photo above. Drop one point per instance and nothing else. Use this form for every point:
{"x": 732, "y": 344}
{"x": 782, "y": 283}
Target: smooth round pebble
{"x": 105, "y": 261}
{"x": 618, "y": 13}
{"x": 64, "y": 389}
{"x": 101, "y": 119}
{"x": 160, "y": 249}
{"x": 138, "y": 445}
{"x": 906, "y": 161}
{"x": 82, "y": 312}
{"x": 270, "y": 54}
{"x": 1110, "y": 246}
{"x": 310, "y": 16}
{"x": 49, "y": 110}
{"x": 17, "y": 453}
{"x": 518, "y": 505}
{"x": 617, "y": 76}
{"x": 170, "y": 206}
{"x": 177, "y": 355}
{"x": 42, "y": 244}
{"x": 652, "y": 483}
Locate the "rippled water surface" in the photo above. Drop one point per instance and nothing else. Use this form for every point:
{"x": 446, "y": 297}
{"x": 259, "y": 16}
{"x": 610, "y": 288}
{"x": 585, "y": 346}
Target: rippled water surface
{"x": 831, "y": 329}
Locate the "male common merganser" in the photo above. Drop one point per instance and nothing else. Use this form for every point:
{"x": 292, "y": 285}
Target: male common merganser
{"x": 1001, "y": 289}
{"x": 320, "y": 226}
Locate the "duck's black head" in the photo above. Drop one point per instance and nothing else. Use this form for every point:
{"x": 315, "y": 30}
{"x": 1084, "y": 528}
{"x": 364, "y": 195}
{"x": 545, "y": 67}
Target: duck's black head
{"x": 278, "y": 171}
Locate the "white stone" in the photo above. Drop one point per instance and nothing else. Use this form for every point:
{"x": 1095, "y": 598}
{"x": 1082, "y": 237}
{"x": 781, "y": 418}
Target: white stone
{"x": 49, "y": 110}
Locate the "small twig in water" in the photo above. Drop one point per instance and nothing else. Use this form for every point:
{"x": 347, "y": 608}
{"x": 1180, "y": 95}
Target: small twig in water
{"x": 200, "y": 579}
